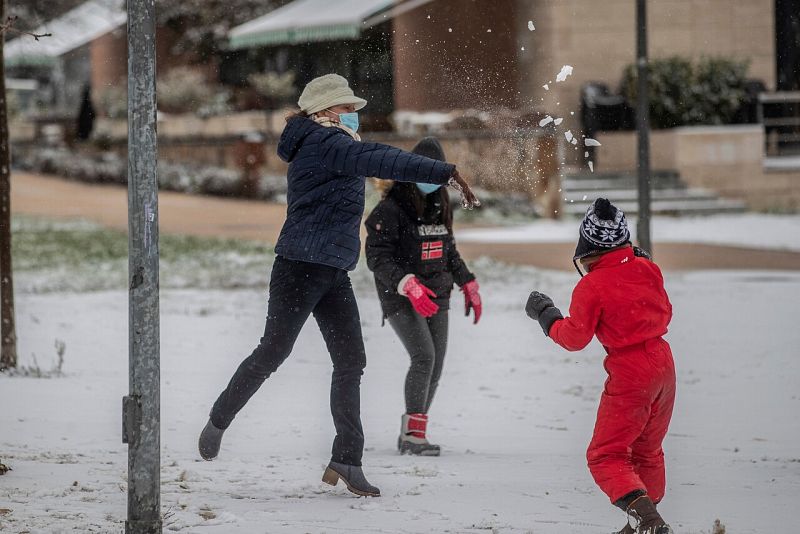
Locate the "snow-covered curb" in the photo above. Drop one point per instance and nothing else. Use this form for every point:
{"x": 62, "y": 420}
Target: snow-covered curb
{"x": 745, "y": 230}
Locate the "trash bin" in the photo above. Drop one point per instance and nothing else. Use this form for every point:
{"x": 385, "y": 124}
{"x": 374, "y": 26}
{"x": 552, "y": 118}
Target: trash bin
{"x": 603, "y": 111}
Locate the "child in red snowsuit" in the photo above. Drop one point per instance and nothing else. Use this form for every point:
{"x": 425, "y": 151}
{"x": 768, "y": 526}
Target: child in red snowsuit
{"x": 622, "y": 301}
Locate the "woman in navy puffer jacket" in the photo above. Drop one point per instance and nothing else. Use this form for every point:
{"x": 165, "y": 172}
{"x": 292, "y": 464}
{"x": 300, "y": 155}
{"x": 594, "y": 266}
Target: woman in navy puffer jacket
{"x": 318, "y": 244}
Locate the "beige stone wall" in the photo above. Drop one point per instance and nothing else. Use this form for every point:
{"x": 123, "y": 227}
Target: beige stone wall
{"x": 730, "y": 161}
{"x": 598, "y": 39}
{"x": 527, "y": 161}
{"x": 618, "y": 152}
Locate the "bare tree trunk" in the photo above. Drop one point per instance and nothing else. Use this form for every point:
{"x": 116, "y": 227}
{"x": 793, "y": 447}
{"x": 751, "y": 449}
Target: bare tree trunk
{"x": 8, "y": 333}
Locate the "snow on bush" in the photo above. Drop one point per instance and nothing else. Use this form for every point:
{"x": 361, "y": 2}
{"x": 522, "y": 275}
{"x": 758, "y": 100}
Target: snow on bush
{"x": 683, "y": 93}
{"x": 108, "y": 167}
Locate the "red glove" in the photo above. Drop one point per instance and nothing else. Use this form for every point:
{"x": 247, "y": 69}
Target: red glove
{"x": 472, "y": 299}
{"x": 419, "y": 296}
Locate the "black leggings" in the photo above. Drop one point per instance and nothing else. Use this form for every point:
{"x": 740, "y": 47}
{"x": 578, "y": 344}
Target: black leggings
{"x": 426, "y": 343}
{"x": 296, "y": 290}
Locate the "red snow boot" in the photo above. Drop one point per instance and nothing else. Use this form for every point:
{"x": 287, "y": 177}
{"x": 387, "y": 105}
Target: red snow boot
{"x": 412, "y": 438}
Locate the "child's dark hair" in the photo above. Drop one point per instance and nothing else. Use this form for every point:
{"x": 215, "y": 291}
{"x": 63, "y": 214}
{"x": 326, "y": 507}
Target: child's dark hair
{"x": 408, "y": 193}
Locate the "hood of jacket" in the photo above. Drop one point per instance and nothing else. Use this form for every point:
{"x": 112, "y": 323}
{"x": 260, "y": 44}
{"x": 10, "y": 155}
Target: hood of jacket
{"x": 293, "y": 136}
{"x": 429, "y": 147}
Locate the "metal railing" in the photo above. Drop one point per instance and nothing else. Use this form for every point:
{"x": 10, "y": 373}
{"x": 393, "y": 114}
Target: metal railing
{"x": 779, "y": 113}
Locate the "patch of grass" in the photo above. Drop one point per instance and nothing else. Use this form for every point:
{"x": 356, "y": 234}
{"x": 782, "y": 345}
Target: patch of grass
{"x": 39, "y": 244}
{"x": 79, "y": 255}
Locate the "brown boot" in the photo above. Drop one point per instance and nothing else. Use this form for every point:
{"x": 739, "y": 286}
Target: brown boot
{"x": 645, "y": 519}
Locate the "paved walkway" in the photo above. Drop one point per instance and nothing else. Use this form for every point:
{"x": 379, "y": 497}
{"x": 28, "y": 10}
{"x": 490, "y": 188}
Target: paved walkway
{"x": 246, "y": 219}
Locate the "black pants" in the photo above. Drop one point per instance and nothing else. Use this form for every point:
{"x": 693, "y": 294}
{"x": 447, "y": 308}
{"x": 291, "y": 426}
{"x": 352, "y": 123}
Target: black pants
{"x": 297, "y": 289}
{"x": 426, "y": 343}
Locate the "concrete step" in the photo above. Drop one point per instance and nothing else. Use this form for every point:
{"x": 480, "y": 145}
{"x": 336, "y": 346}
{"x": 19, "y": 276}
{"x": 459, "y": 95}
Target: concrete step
{"x": 670, "y": 195}
{"x": 620, "y": 182}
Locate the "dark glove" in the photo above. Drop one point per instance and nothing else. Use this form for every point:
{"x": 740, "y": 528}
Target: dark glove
{"x": 540, "y": 307}
{"x": 641, "y": 253}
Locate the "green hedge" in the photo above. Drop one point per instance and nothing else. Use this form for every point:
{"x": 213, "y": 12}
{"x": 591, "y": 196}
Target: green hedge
{"x": 682, "y": 93}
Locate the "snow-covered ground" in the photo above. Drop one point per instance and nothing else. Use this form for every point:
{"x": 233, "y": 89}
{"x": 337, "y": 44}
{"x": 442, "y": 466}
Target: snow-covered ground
{"x": 741, "y": 230}
{"x": 514, "y": 415}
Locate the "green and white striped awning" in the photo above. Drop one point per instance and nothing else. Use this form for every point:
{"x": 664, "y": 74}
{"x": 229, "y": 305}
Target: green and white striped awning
{"x": 304, "y": 21}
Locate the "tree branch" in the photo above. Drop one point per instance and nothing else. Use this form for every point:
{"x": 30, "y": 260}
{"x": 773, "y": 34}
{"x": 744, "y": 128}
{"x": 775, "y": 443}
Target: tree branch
{"x": 8, "y": 26}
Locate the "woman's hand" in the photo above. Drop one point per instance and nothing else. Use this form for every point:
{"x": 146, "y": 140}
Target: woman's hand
{"x": 468, "y": 198}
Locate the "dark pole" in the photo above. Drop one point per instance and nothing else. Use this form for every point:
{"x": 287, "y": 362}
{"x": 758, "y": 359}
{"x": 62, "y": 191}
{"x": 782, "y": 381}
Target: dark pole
{"x": 643, "y": 127}
{"x": 141, "y": 408}
{"x": 8, "y": 331}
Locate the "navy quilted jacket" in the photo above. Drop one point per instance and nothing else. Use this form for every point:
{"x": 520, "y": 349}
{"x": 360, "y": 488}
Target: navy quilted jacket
{"x": 325, "y": 198}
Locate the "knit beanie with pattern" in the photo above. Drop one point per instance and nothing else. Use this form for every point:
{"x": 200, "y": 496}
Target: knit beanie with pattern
{"x": 604, "y": 227}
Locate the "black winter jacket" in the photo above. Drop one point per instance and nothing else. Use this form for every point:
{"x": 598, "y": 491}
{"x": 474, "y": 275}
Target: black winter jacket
{"x": 401, "y": 243}
{"x": 326, "y": 189}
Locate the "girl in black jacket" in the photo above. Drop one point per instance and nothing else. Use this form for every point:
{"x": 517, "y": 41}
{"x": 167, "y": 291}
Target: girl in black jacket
{"x": 412, "y": 252}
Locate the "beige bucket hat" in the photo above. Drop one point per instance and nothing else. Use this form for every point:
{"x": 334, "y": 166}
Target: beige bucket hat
{"x": 327, "y": 91}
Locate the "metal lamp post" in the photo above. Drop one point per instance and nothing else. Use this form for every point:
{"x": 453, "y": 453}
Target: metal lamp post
{"x": 643, "y": 127}
{"x": 141, "y": 408}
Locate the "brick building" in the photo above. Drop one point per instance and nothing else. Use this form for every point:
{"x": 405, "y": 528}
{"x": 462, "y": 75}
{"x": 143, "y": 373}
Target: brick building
{"x": 448, "y": 54}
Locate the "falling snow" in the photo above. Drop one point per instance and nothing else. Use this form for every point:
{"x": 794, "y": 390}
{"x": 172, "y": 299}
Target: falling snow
{"x": 546, "y": 120}
{"x": 566, "y": 70}
{"x": 546, "y": 87}
{"x": 591, "y": 142}
{"x": 591, "y": 166}
{"x": 531, "y": 27}
{"x": 568, "y": 135}
{"x": 558, "y": 121}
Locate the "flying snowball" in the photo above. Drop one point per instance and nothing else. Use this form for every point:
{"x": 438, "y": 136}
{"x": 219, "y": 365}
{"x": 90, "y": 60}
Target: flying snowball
{"x": 566, "y": 70}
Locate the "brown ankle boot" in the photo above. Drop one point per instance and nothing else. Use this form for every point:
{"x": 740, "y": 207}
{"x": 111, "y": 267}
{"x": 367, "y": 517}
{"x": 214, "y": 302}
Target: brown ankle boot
{"x": 645, "y": 519}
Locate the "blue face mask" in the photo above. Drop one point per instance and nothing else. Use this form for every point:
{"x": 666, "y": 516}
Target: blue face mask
{"x": 350, "y": 120}
{"x": 428, "y": 188}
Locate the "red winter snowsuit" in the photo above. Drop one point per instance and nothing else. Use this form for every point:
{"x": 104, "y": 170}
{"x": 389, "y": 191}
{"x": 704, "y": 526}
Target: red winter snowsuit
{"x": 622, "y": 301}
